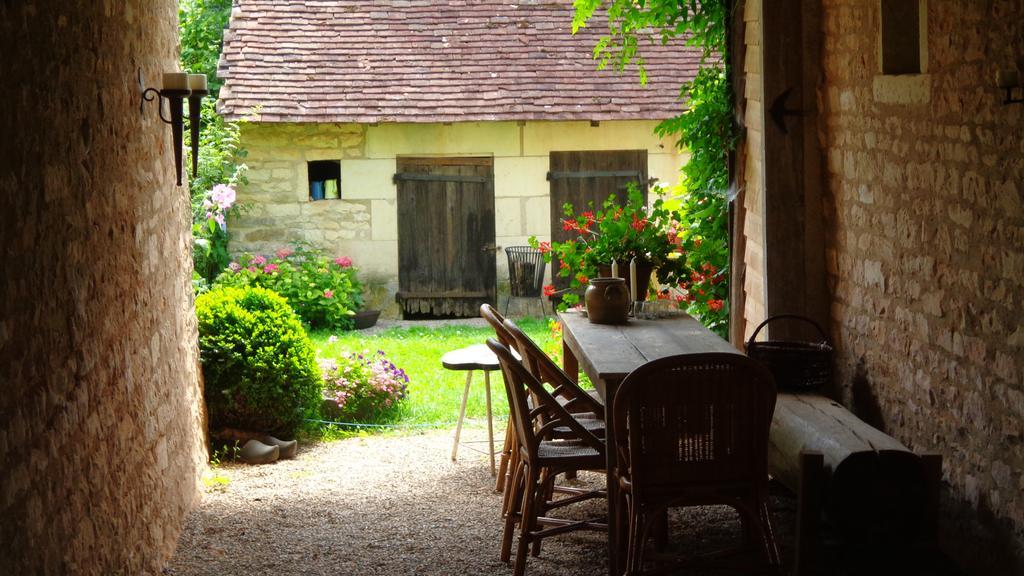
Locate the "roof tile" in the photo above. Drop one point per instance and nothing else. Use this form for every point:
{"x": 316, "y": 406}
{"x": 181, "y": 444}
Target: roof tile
{"x": 426, "y": 61}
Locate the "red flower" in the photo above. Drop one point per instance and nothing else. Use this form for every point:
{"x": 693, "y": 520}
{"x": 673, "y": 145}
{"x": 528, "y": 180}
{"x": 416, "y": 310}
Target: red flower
{"x": 715, "y": 305}
{"x": 589, "y": 215}
{"x": 679, "y": 297}
{"x": 568, "y": 225}
{"x": 563, "y": 265}
{"x": 544, "y": 247}
{"x": 582, "y": 279}
{"x": 638, "y": 224}
{"x": 549, "y": 290}
{"x": 696, "y": 276}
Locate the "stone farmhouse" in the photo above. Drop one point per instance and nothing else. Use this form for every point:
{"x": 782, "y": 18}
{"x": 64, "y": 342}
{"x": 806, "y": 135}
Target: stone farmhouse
{"x": 445, "y": 131}
{"x": 881, "y": 193}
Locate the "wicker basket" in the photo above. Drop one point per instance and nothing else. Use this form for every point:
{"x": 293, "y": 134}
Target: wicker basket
{"x": 797, "y": 366}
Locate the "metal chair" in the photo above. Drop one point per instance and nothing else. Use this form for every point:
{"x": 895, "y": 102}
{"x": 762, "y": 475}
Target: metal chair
{"x": 692, "y": 430}
{"x": 525, "y": 275}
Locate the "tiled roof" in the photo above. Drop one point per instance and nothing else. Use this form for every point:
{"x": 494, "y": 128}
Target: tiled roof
{"x": 434, "y": 61}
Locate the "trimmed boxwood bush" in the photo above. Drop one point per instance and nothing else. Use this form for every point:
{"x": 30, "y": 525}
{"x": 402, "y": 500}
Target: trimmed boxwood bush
{"x": 259, "y": 365}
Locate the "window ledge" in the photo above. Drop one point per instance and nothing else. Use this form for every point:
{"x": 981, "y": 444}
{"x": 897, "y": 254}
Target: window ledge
{"x": 902, "y": 88}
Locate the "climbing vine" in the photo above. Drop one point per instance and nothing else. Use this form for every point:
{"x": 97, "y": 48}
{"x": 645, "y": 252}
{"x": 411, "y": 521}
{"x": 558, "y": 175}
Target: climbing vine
{"x": 202, "y": 25}
{"x": 705, "y": 128}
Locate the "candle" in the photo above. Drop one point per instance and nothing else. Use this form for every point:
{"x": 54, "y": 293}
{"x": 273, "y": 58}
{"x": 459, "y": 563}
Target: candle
{"x": 175, "y": 81}
{"x": 197, "y": 81}
{"x": 1007, "y": 78}
{"x": 615, "y": 268}
{"x": 632, "y": 279}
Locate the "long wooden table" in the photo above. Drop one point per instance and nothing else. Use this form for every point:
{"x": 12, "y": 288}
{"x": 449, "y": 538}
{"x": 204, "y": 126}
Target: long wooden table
{"x": 608, "y": 353}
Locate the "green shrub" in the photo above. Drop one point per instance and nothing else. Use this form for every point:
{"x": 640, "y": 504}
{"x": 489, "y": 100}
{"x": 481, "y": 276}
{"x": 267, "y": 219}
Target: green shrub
{"x": 325, "y": 293}
{"x": 259, "y": 365}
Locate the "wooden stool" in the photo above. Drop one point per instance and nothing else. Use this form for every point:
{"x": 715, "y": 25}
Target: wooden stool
{"x": 472, "y": 358}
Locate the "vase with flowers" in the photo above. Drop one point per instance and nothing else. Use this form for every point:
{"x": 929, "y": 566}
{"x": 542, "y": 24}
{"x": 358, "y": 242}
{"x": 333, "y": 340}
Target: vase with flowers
{"x": 609, "y": 239}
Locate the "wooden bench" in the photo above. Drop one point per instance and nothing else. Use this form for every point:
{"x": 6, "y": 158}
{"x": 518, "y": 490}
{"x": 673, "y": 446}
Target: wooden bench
{"x": 869, "y": 487}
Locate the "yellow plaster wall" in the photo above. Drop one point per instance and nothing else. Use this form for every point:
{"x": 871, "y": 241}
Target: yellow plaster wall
{"x": 364, "y": 223}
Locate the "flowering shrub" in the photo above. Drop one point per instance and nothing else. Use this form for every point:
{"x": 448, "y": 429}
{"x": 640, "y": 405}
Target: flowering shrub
{"x": 705, "y": 291}
{"x": 209, "y": 231}
{"x": 618, "y": 233}
{"x": 324, "y": 292}
{"x": 365, "y": 387}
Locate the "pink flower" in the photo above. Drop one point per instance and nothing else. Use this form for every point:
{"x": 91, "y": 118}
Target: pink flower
{"x": 270, "y": 268}
{"x": 234, "y": 266}
{"x": 284, "y": 253}
{"x": 223, "y": 195}
{"x": 219, "y": 218}
{"x": 253, "y": 269}
{"x": 343, "y": 261}
{"x": 258, "y": 260}
{"x": 328, "y": 293}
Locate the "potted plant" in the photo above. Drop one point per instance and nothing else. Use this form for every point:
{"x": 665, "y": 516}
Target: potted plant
{"x": 619, "y": 234}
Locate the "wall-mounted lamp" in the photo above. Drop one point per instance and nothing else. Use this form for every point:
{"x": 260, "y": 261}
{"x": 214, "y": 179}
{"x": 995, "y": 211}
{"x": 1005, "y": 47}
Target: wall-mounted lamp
{"x": 177, "y": 86}
{"x": 1009, "y": 81}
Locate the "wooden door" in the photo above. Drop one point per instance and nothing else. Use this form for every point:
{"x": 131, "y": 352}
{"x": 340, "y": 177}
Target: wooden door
{"x": 446, "y": 251}
{"x": 588, "y": 178}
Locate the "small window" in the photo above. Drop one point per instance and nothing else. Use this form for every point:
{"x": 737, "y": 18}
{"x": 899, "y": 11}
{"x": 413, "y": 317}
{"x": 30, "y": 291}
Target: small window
{"x": 324, "y": 180}
{"x": 901, "y": 36}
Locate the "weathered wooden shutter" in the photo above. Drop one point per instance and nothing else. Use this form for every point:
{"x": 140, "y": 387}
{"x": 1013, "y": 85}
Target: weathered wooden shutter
{"x": 588, "y": 178}
{"x": 446, "y": 251}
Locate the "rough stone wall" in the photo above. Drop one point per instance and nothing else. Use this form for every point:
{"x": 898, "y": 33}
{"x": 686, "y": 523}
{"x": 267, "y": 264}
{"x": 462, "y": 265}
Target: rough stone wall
{"x": 926, "y": 255}
{"x": 101, "y": 445}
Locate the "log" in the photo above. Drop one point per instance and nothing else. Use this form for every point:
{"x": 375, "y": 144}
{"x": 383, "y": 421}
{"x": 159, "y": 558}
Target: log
{"x": 875, "y": 488}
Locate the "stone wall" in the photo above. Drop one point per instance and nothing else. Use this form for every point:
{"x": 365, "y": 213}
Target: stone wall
{"x": 101, "y": 422}
{"x": 363, "y": 224}
{"x": 926, "y": 255}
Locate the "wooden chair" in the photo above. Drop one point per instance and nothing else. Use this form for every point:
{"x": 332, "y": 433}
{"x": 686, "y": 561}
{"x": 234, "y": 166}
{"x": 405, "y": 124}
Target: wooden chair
{"x": 692, "y": 430}
{"x": 575, "y": 399}
{"x": 496, "y": 320}
{"x": 540, "y": 460}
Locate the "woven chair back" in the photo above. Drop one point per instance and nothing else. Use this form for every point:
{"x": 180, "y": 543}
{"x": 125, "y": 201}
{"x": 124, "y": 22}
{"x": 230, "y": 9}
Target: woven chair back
{"x": 695, "y": 420}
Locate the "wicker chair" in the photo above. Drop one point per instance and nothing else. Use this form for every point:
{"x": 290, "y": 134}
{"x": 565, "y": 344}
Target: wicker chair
{"x": 541, "y": 460}
{"x": 692, "y": 430}
{"x": 505, "y": 464}
{"x": 575, "y": 399}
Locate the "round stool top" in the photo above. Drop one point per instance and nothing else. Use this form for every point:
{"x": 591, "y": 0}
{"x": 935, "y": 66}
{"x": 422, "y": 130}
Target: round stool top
{"x": 475, "y": 357}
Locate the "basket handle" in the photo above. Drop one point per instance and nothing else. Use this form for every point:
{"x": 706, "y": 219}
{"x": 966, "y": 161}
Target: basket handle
{"x": 753, "y": 337}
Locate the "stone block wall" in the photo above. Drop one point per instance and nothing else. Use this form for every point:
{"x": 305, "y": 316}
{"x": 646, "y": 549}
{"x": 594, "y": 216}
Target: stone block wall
{"x": 101, "y": 421}
{"x": 363, "y": 224}
{"x": 926, "y": 255}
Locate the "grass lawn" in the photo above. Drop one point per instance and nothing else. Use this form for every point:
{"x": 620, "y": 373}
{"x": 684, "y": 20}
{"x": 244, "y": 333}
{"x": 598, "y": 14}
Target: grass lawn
{"x": 434, "y": 393}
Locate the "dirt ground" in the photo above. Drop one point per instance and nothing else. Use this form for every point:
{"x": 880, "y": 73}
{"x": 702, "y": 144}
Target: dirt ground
{"x": 395, "y": 504}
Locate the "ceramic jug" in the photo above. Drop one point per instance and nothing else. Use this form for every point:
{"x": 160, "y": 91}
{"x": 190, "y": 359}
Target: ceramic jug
{"x": 607, "y": 301}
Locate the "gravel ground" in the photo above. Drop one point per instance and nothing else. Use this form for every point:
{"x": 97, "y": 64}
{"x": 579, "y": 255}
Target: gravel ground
{"x": 392, "y": 504}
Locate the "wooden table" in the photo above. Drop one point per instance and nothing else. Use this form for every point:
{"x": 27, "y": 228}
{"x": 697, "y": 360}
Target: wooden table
{"x": 608, "y": 353}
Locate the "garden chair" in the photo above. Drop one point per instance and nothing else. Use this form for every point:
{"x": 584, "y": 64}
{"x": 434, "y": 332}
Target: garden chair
{"x": 496, "y": 320}
{"x": 540, "y": 460}
{"x": 692, "y": 430}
